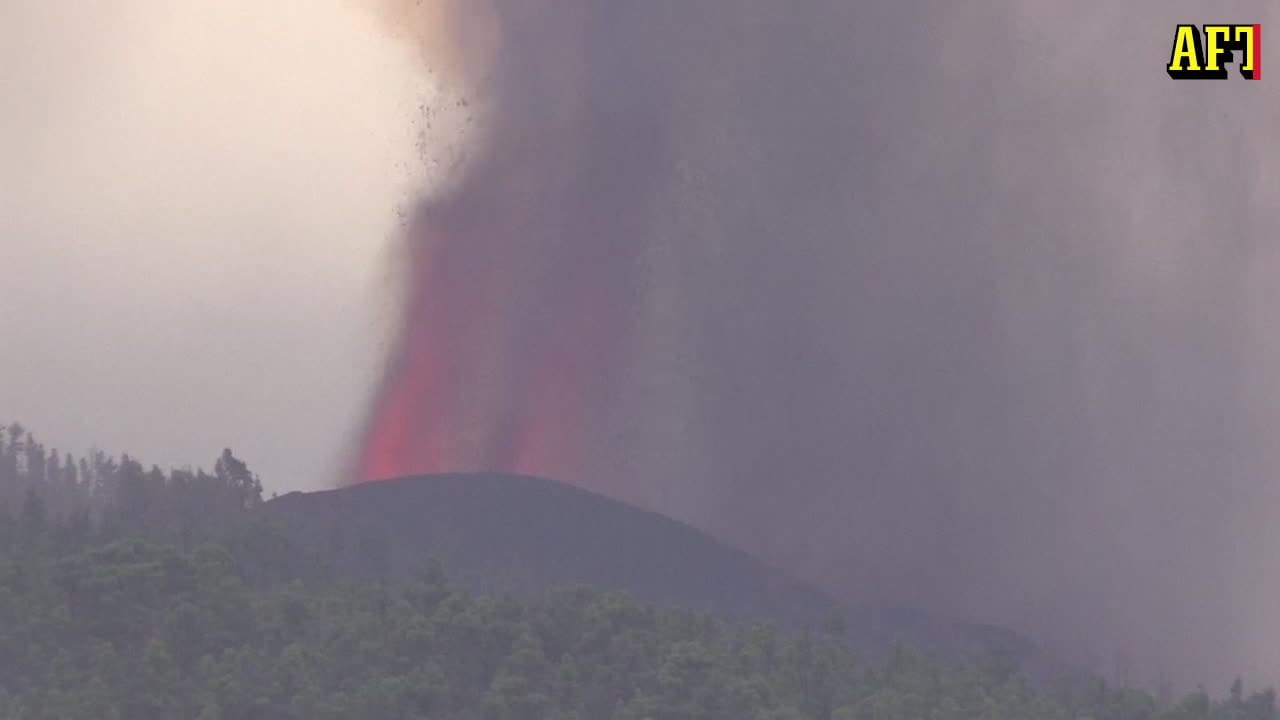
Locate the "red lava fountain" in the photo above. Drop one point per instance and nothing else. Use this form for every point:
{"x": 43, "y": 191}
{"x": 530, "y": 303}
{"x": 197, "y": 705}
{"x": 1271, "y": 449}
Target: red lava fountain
{"x": 492, "y": 372}
{"x": 404, "y": 433}
{"x": 524, "y": 275}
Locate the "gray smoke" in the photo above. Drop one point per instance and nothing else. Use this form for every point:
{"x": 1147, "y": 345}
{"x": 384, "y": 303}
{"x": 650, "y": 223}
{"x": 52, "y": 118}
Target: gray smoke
{"x": 967, "y": 308}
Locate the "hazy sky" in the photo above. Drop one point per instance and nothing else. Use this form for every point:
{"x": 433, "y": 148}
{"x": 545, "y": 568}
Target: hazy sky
{"x": 195, "y": 201}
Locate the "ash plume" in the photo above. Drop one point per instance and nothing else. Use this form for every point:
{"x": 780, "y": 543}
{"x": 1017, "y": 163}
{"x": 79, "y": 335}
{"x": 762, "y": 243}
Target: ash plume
{"x": 962, "y": 308}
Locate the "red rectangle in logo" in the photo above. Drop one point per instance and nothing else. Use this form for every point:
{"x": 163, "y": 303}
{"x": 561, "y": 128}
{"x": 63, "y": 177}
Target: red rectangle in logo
{"x": 1257, "y": 52}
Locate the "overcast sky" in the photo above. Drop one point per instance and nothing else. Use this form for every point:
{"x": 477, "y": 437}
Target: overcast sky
{"x": 195, "y": 201}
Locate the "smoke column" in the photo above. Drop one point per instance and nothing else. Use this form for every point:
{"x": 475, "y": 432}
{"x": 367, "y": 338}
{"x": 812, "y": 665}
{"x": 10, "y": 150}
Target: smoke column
{"x": 963, "y": 308}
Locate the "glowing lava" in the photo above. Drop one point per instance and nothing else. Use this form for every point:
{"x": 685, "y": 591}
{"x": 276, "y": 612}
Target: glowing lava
{"x": 500, "y": 360}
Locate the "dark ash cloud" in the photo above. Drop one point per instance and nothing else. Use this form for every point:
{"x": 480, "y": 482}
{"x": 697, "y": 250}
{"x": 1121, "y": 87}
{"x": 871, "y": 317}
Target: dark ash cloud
{"x": 958, "y": 308}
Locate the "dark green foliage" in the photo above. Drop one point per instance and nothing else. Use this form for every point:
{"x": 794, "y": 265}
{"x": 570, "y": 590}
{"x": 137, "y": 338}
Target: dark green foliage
{"x": 118, "y": 600}
{"x": 140, "y": 630}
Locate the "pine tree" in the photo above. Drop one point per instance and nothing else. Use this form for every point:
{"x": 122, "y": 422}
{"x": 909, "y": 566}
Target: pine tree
{"x": 244, "y": 487}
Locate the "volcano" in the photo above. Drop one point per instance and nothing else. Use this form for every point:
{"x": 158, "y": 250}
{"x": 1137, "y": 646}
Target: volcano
{"x": 525, "y": 535}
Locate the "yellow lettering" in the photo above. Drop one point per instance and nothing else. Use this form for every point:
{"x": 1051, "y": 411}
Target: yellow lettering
{"x": 1244, "y": 37}
{"x": 1216, "y": 36}
{"x": 1186, "y": 50}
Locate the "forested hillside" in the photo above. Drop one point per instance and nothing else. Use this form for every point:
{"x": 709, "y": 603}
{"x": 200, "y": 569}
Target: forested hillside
{"x": 143, "y": 595}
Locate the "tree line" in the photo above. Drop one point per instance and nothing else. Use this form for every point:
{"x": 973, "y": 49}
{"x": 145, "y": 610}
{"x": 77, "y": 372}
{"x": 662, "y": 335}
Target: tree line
{"x": 118, "y": 600}
{"x": 40, "y": 485}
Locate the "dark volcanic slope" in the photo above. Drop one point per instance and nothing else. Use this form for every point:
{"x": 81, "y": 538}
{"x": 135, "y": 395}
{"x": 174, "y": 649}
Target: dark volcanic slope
{"x": 524, "y": 534}
{"x": 518, "y": 533}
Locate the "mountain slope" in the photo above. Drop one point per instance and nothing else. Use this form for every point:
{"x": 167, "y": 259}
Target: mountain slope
{"x": 518, "y": 533}
{"x": 526, "y": 535}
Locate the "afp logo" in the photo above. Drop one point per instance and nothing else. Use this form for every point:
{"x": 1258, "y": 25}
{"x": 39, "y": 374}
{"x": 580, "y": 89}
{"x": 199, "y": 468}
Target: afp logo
{"x": 1207, "y": 59}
